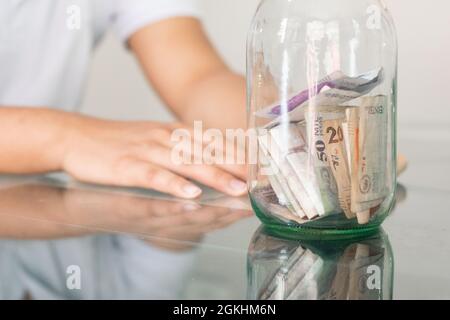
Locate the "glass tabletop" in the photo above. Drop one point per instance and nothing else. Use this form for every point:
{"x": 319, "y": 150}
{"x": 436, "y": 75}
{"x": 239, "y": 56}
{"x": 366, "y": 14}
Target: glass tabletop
{"x": 66, "y": 240}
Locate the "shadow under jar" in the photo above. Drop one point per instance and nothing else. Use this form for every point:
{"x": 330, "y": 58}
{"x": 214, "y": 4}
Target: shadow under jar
{"x": 321, "y": 77}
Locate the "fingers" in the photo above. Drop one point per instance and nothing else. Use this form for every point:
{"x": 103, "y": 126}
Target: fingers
{"x": 139, "y": 173}
{"x": 227, "y": 156}
{"x": 211, "y": 176}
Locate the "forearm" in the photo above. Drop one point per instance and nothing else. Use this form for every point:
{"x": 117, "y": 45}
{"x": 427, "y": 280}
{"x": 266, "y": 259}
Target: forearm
{"x": 32, "y": 139}
{"x": 218, "y": 100}
{"x": 189, "y": 75}
{"x": 51, "y": 218}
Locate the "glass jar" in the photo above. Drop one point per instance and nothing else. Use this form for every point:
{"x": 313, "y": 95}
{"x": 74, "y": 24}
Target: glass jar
{"x": 322, "y": 111}
{"x": 320, "y": 270}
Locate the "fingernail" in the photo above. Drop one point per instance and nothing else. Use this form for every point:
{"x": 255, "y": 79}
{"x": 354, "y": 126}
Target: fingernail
{"x": 238, "y": 186}
{"x": 191, "y": 207}
{"x": 191, "y": 190}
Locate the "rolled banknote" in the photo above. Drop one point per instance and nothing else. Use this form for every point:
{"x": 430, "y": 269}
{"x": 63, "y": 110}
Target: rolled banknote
{"x": 324, "y": 177}
{"x": 337, "y": 158}
{"x": 368, "y": 132}
{"x": 351, "y": 134}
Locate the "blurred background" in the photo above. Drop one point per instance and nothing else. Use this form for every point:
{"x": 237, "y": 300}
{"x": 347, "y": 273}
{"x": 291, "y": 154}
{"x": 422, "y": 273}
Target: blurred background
{"x": 118, "y": 90}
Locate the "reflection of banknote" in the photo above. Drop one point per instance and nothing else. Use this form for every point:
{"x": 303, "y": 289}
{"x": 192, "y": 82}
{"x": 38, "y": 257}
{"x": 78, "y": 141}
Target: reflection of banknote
{"x": 293, "y": 280}
{"x": 343, "y": 270}
{"x": 307, "y": 276}
{"x": 367, "y": 260}
{"x": 284, "y": 278}
{"x": 339, "y": 286}
{"x": 368, "y": 129}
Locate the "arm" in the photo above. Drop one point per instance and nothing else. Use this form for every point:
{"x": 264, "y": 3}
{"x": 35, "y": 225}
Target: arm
{"x": 130, "y": 154}
{"x": 189, "y": 75}
{"x": 26, "y": 132}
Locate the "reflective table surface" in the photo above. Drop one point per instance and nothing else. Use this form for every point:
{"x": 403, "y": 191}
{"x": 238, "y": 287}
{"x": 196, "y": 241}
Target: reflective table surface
{"x": 66, "y": 240}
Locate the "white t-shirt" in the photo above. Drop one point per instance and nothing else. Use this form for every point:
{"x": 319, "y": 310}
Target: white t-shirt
{"x": 46, "y": 45}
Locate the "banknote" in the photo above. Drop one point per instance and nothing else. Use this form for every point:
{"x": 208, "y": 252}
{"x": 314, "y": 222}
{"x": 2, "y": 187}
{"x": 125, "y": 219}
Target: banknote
{"x": 292, "y": 143}
{"x": 267, "y": 198}
{"x": 337, "y": 158}
{"x": 281, "y": 149}
{"x": 351, "y": 134}
{"x": 280, "y": 183}
{"x": 368, "y": 130}
{"x": 333, "y": 90}
{"x": 323, "y": 177}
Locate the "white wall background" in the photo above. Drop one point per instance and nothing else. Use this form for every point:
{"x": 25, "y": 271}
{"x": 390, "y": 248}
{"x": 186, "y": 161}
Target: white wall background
{"x": 117, "y": 88}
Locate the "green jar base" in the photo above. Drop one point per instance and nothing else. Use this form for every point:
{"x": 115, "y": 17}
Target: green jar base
{"x": 313, "y": 230}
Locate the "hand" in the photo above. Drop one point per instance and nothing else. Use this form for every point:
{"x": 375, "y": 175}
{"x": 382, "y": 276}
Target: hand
{"x": 139, "y": 154}
{"x": 173, "y": 225}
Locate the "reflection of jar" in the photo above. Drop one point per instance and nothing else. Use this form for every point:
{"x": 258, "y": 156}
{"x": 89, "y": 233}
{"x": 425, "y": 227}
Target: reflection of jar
{"x": 320, "y": 270}
{"x": 322, "y": 103}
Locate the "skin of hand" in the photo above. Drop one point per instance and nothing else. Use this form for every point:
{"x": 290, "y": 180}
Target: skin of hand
{"x": 139, "y": 154}
{"x": 58, "y": 213}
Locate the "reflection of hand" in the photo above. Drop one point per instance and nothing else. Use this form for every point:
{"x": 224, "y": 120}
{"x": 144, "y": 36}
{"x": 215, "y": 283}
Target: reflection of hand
{"x": 145, "y": 216}
{"x": 58, "y": 212}
{"x": 138, "y": 154}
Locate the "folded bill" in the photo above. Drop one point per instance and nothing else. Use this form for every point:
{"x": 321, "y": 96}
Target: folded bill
{"x": 282, "y": 146}
{"x": 324, "y": 176}
{"x": 291, "y": 143}
{"x": 266, "y": 197}
{"x": 278, "y": 182}
{"x": 337, "y": 158}
{"x": 333, "y": 90}
{"x": 368, "y": 132}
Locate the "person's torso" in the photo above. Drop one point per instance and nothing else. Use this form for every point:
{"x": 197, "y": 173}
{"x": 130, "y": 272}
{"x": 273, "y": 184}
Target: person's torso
{"x": 45, "y": 49}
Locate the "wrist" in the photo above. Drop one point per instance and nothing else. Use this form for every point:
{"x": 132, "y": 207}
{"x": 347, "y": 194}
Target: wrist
{"x": 72, "y": 130}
